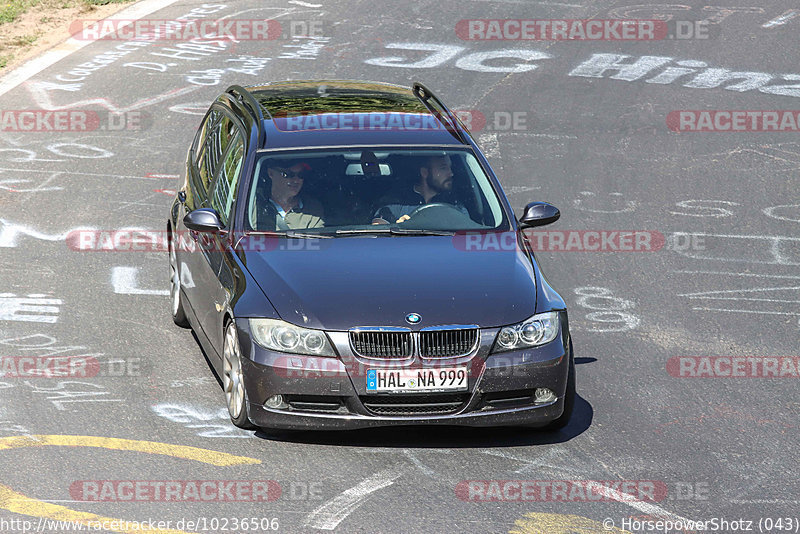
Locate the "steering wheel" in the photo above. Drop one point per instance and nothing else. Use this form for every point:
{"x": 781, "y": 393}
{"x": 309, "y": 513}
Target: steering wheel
{"x": 439, "y": 216}
{"x": 434, "y": 206}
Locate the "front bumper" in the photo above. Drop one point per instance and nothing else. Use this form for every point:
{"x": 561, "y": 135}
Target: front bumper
{"x": 330, "y": 393}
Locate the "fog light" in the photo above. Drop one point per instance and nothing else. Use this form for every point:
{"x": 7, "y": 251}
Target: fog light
{"x": 543, "y": 395}
{"x": 275, "y": 401}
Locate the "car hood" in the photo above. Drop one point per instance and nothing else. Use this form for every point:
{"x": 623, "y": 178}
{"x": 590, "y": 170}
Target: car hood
{"x": 340, "y": 283}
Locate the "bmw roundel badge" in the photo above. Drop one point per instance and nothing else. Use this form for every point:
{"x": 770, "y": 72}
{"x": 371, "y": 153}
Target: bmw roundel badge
{"x": 413, "y": 318}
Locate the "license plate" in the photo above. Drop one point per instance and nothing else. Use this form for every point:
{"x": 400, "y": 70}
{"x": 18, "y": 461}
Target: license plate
{"x": 420, "y": 380}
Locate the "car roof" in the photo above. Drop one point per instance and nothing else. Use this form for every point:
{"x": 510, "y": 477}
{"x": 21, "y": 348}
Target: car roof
{"x": 322, "y": 113}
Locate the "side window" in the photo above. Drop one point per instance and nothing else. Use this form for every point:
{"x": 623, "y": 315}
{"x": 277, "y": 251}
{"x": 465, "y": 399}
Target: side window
{"x": 202, "y": 133}
{"x": 227, "y": 183}
{"x": 227, "y": 130}
{"x": 207, "y": 159}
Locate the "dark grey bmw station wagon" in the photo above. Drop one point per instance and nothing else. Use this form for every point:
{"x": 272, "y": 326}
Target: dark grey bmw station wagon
{"x": 347, "y": 258}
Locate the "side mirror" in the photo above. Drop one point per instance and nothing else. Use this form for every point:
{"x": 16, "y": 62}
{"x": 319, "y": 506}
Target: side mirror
{"x": 539, "y": 214}
{"x": 203, "y": 220}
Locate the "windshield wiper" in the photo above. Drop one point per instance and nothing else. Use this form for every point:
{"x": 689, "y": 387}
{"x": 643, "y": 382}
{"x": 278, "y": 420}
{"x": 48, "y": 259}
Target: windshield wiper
{"x": 414, "y": 231}
{"x": 305, "y": 235}
{"x": 290, "y": 233}
{"x": 363, "y": 231}
{"x": 393, "y": 231}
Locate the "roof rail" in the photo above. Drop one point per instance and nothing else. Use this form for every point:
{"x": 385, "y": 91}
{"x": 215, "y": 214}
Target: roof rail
{"x": 248, "y": 100}
{"x": 431, "y": 102}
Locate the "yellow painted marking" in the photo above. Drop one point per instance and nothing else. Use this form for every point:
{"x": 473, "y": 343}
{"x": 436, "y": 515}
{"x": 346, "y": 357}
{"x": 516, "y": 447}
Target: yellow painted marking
{"x": 21, "y": 504}
{"x": 538, "y": 523}
{"x": 151, "y": 447}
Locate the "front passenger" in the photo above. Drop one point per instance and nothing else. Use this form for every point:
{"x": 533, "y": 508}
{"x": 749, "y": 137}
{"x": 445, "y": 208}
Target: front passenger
{"x": 286, "y": 209}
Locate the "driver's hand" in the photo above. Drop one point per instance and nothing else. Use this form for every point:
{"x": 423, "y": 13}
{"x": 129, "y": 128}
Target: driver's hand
{"x": 403, "y": 218}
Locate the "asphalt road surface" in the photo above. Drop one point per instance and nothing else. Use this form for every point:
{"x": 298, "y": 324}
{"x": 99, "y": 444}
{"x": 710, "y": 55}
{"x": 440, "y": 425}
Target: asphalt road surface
{"x": 560, "y": 122}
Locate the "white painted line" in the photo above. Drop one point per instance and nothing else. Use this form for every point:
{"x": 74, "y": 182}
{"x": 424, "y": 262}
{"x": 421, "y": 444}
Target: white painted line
{"x": 781, "y": 301}
{"x": 646, "y": 507}
{"x": 624, "y": 498}
{"x": 764, "y": 501}
{"x": 33, "y": 308}
{"x": 103, "y": 175}
{"x": 416, "y": 461}
{"x": 707, "y": 294}
{"x": 9, "y": 232}
{"x": 548, "y": 136}
{"x": 123, "y": 279}
{"x": 782, "y": 19}
{"x": 740, "y": 236}
{"x": 531, "y": 463}
{"x": 51, "y": 57}
{"x": 747, "y": 311}
{"x": 557, "y": 4}
{"x": 392, "y": 450}
{"x": 4, "y": 184}
{"x": 740, "y": 274}
{"x": 304, "y": 4}
{"x": 329, "y": 515}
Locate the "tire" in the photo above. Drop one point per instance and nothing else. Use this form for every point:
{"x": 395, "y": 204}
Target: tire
{"x": 178, "y": 313}
{"x": 569, "y": 397}
{"x": 232, "y": 380}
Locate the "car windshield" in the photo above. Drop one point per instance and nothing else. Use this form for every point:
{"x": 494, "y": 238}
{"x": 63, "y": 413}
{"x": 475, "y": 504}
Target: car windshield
{"x": 372, "y": 191}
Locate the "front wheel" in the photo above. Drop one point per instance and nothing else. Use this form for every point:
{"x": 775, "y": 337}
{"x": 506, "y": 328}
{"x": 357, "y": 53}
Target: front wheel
{"x": 233, "y": 380}
{"x": 178, "y": 313}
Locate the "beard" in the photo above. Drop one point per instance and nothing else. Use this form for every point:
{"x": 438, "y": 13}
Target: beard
{"x": 440, "y": 187}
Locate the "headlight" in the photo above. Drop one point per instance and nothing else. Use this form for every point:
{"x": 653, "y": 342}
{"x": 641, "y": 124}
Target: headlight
{"x": 279, "y": 335}
{"x": 537, "y": 330}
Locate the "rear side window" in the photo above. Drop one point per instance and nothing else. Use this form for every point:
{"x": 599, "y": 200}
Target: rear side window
{"x": 227, "y": 183}
{"x": 219, "y": 130}
{"x": 205, "y": 161}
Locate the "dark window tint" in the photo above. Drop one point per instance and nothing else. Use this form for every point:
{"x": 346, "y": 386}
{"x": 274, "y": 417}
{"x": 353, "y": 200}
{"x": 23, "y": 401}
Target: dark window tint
{"x": 227, "y": 183}
{"x": 219, "y": 130}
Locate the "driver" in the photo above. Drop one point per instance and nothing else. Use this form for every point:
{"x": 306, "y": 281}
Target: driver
{"x": 434, "y": 185}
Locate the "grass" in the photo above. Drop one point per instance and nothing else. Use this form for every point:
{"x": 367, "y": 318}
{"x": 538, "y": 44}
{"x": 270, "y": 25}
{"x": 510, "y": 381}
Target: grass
{"x": 13, "y": 9}
{"x": 29, "y": 12}
{"x": 24, "y": 40}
